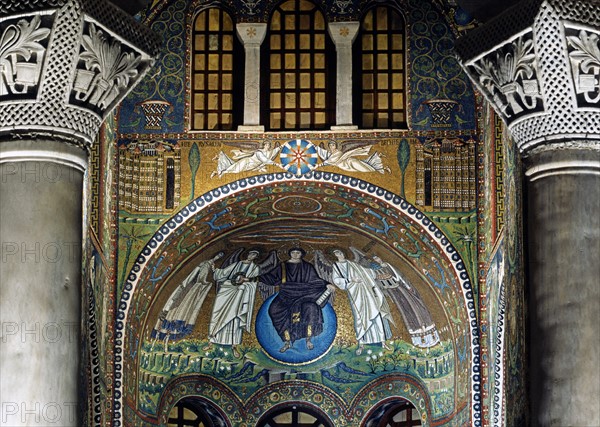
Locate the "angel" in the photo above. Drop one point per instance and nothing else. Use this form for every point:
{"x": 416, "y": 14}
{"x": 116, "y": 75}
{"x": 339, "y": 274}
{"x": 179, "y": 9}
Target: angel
{"x": 407, "y": 299}
{"x": 237, "y": 281}
{"x": 372, "y": 314}
{"x": 344, "y": 156}
{"x": 248, "y": 158}
{"x": 179, "y": 314}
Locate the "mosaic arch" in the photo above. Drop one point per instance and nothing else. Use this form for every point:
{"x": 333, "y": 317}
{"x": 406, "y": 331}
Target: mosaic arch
{"x": 304, "y": 393}
{"x": 436, "y": 368}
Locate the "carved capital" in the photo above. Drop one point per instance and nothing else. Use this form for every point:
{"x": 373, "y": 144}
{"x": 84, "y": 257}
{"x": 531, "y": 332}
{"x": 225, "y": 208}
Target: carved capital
{"x": 509, "y": 77}
{"x": 64, "y": 65}
{"x": 343, "y": 33}
{"x": 583, "y": 47}
{"x": 539, "y": 66}
{"x": 251, "y": 34}
{"x": 23, "y": 48}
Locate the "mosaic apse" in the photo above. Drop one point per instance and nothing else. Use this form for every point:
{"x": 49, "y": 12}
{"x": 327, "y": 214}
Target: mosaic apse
{"x": 323, "y": 289}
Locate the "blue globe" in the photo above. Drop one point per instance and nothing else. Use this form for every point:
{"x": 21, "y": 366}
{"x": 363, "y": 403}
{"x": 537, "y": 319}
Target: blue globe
{"x": 271, "y": 342}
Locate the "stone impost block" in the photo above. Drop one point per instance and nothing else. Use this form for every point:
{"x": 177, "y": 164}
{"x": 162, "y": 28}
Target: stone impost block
{"x": 252, "y": 34}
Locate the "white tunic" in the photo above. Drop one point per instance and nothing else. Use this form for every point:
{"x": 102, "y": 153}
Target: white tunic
{"x": 183, "y": 305}
{"x": 234, "y": 303}
{"x": 369, "y": 306}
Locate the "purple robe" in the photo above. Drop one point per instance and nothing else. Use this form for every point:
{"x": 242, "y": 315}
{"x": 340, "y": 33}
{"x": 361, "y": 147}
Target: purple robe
{"x": 294, "y": 308}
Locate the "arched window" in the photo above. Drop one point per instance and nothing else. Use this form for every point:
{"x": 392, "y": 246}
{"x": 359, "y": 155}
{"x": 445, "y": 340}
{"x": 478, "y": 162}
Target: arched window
{"x": 216, "y": 53}
{"x": 380, "y": 101}
{"x": 299, "y": 64}
{"x": 193, "y": 412}
{"x": 397, "y": 413}
{"x": 294, "y": 416}
{"x": 402, "y": 415}
{"x": 184, "y": 414}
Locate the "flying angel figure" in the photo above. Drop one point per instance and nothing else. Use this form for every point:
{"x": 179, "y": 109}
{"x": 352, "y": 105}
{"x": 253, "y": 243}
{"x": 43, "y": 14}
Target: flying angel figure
{"x": 345, "y": 156}
{"x": 251, "y": 156}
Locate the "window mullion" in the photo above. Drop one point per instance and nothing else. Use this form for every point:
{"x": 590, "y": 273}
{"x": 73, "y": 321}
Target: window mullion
{"x": 376, "y": 109}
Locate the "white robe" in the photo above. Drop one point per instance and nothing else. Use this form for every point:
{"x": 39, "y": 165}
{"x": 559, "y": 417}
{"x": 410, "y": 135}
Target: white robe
{"x": 184, "y": 304}
{"x": 346, "y": 160}
{"x": 246, "y": 160}
{"x": 369, "y": 306}
{"x": 234, "y": 303}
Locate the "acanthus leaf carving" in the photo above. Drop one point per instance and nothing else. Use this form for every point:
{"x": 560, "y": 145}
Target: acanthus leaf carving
{"x": 19, "y": 44}
{"x": 510, "y": 78}
{"x": 108, "y": 69}
{"x": 585, "y": 63}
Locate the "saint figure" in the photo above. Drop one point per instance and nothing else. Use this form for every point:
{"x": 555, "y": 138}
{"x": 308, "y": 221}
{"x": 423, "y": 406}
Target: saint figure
{"x": 179, "y": 314}
{"x": 234, "y": 302}
{"x": 371, "y": 311}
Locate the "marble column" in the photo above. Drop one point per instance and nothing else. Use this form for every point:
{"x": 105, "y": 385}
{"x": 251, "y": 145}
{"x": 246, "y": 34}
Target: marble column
{"x": 40, "y": 229}
{"x": 539, "y": 66}
{"x": 56, "y": 87}
{"x": 252, "y": 35}
{"x": 343, "y": 35}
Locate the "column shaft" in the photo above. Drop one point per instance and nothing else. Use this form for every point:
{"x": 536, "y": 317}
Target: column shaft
{"x": 564, "y": 254}
{"x": 67, "y": 64}
{"x": 252, "y": 36}
{"x": 40, "y": 298}
{"x": 549, "y": 102}
{"x": 343, "y": 35}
